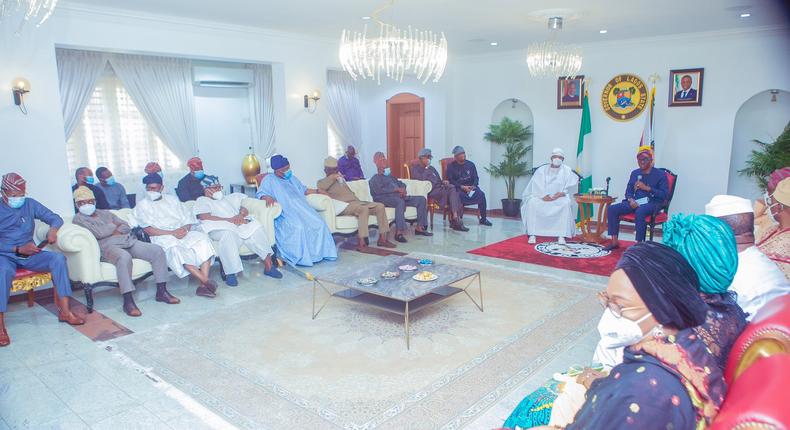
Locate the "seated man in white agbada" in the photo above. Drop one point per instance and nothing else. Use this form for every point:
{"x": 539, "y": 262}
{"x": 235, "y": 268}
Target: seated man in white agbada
{"x": 230, "y": 224}
{"x": 170, "y": 225}
{"x": 548, "y": 207}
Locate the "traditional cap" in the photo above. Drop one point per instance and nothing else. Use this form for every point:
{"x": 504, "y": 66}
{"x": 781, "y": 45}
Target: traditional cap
{"x": 782, "y": 193}
{"x": 458, "y": 150}
{"x": 13, "y": 182}
{"x": 425, "y": 152}
{"x": 195, "y": 163}
{"x": 330, "y": 162}
{"x": 558, "y": 151}
{"x": 777, "y": 175}
{"x": 723, "y": 205}
{"x": 210, "y": 181}
{"x": 152, "y": 178}
{"x": 83, "y": 193}
{"x": 278, "y": 162}
{"x": 645, "y": 148}
{"x": 152, "y": 167}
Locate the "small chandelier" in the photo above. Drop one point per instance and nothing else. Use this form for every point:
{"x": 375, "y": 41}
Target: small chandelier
{"x": 554, "y": 59}
{"x": 393, "y": 53}
{"x": 37, "y": 11}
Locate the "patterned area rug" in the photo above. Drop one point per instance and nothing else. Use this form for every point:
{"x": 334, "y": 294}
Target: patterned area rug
{"x": 576, "y": 256}
{"x": 266, "y": 364}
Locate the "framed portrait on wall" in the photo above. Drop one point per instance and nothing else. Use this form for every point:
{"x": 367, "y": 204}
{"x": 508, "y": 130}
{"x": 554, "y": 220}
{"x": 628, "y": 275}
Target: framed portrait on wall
{"x": 685, "y": 87}
{"x": 570, "y": 92}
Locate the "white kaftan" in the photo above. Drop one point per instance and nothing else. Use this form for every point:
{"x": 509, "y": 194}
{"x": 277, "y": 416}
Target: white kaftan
{"x": 231, "y": 236}
{"x": 170, "y": 214}
{"x": 556, "y": 218}
{"x": 757, "y": 281}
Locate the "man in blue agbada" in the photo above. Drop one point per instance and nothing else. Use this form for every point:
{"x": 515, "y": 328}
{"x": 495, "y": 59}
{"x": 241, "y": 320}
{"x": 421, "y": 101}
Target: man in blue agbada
{"x": 302, "y": 237}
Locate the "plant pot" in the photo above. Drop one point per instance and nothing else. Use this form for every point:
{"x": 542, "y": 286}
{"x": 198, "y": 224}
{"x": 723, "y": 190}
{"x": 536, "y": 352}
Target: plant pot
{"x": 511, "y": 207}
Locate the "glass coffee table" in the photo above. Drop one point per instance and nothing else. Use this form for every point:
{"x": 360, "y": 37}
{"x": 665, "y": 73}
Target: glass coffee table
{"x": 402, "y": 295}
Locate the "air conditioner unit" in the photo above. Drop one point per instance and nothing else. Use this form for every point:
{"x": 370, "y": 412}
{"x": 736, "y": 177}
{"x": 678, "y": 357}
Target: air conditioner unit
{"x": 220, "y": 77}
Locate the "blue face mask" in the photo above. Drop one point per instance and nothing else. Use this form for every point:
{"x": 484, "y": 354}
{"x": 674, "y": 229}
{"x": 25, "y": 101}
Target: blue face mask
{"x": 16, "y": 202}
{"x": 90, "y": 180}
{"x": 110, "y": 180}
{"x": 288, "y": 174}
{"x": 199, "y": 174}
{"x": 387, "y": 171}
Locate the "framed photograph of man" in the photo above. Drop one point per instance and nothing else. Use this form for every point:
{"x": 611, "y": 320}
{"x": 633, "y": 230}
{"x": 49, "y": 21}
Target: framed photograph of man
{"x": 685, "y": 87}
{"x": 570, "y": 91}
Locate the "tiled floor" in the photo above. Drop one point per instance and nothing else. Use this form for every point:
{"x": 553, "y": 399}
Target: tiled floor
{"x": 53, "y": 377}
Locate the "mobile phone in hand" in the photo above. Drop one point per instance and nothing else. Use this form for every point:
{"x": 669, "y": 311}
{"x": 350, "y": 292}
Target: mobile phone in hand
{"x": 42, "y": 244}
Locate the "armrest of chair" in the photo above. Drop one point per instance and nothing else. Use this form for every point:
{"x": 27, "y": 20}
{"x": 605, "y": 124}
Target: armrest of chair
{"x": 323, "y": 205}
{"x": 263, "y": 214}
{"x": 81, "y": 249}
{"x": 417, "y": 188}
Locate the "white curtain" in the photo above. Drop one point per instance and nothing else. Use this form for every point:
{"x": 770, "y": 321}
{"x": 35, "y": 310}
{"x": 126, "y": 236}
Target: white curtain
{"x": 162, "y": 90}
{"x": 78, "y": 72}
{"x": 262, "y": 110}
{"x": 342, "y": 101}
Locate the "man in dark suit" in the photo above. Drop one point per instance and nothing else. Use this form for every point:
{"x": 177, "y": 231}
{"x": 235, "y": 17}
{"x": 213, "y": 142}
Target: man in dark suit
{"x": 686, "y": 94}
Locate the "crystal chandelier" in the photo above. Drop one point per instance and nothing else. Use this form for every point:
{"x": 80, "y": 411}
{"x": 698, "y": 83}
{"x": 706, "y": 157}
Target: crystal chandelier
{"x": 393, "y": 53}
{"x": 554, "y": 59}
{"x": 37, "y": 11}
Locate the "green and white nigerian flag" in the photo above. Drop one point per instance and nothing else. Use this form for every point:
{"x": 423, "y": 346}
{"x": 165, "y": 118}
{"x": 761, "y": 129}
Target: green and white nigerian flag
{"x": 583, "y": 165}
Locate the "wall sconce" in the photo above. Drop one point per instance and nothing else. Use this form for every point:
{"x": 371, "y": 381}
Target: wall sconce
{"x": 315, "y": 97}
{"x": 20, "y": 86}
{"x": 773, "y": 95}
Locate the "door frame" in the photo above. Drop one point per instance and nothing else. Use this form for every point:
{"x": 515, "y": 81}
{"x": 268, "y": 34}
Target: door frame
{"x": 399, "y": 99}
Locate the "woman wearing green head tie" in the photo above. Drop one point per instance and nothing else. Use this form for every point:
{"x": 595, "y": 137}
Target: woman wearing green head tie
{"x": 708, "y": 244}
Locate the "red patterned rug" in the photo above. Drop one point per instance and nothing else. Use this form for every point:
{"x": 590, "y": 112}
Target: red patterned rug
{"x": 576, "y": 256}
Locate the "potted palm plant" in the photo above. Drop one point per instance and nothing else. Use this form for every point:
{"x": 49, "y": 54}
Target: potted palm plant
{"x": 514, "y": 136}
{"x": 771, "y": 156}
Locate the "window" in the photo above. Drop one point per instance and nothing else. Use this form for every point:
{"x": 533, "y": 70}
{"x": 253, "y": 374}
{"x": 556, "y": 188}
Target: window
{"x": 113, "y": 133}
{"x": 335, "y": 145}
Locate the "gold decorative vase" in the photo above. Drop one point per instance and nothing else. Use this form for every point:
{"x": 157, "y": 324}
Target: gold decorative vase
{"x": 250, "y": 168}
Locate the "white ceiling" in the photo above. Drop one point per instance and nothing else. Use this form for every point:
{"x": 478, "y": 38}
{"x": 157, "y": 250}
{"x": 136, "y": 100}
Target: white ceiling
{"x": 470, "y": 25}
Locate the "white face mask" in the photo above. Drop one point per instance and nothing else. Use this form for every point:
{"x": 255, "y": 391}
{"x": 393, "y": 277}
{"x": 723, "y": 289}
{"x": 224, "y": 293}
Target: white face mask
{"x": 154, "y": 195}
{"x": 87, "y": 209}
{"x": 217, "y": 195}
{"x": 556, "y": 162}
{"x": 618, "y": 332}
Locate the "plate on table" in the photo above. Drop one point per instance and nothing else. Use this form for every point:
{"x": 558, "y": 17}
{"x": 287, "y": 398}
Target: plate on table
{"x": 390, "y": 275}
{"x": 407, "y": 268}
{"x": 425, "y": 262}
{"x": 367, "y": 281}
{"x": 425, "y": 277}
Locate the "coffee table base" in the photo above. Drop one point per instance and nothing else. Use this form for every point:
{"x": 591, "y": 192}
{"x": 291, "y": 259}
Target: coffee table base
{"x": 400, "y": 307}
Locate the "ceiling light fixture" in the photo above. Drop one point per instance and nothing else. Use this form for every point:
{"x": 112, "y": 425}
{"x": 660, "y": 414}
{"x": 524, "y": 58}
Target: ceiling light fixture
{"x": 37, "y": 11}
{"x": 366, "y": 18}
{"x": 603, "y": 31}
{"x": 745, "y": 15}
{"x": 554, "y": 59}
{"x": 394, "y": 52}
{"x": 494, "y": 43}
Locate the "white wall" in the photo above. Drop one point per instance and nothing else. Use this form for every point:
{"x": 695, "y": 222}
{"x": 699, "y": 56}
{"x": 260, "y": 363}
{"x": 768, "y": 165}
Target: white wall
{"x": 34, "y": 145}
{"x": 692, "y": 141}
{"x": 759, "y": 118}
{"x": 517, "y": 111}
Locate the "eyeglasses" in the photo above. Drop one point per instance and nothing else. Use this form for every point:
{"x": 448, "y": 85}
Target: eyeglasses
{"x": 616, "y": 309}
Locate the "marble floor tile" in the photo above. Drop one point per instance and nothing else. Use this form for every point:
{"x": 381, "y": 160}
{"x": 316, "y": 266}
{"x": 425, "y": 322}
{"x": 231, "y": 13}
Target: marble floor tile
{"x": 26, "y": 403}
{"x": 138, "y": 418}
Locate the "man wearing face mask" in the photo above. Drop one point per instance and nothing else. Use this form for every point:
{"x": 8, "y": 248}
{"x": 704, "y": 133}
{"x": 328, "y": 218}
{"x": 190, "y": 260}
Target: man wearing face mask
{"x": 774, "y": 241}
{"x": 113, "y": 191}
{"x": 17, "y": 249}
{"x": 548, "y": 208}
{"x": 302, "y": 236}
{"x": 386, "y": 189}
{"x": 442, "y": 192}
{"x": 85, "y": 178}
{"x": 118, "y": 246}
{"x": 171, "y": 226}
{"x": 758, "y": 279}
{"x": 226, "y": 221}
{"x": 646, "y": 191}
{"x": 190, "y": 187}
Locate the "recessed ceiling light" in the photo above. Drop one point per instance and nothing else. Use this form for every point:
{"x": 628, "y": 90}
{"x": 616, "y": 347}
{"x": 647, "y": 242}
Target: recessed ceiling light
{"x": 603, "y": 31}
{"x": 366, "y": 18}
{"x": 494, "y": 43}
{"x": 745, "y": 15}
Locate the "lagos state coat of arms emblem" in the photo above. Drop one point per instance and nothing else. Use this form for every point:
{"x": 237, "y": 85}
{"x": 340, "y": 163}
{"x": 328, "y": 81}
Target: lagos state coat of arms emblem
{"x": 624, "y": 97}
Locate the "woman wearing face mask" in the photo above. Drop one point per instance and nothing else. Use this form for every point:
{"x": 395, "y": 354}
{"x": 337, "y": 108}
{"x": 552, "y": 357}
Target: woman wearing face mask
{"x": 774, "y": 241}
{"x": 652, "y": 307}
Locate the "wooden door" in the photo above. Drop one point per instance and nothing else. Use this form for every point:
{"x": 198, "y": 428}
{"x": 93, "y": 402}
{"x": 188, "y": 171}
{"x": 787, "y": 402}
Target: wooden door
{"x": 405, "y": 130}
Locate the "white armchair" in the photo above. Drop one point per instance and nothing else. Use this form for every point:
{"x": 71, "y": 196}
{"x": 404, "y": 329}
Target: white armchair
{"x": 84, "y": 258}
{"x": 348, "y": 224}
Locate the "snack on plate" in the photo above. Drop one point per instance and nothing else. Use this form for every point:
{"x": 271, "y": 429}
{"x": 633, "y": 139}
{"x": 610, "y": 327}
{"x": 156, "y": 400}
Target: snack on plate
{"x": 367, "y": 281}
{"x": 425, "y": 276}
{"x": 425, "y": 262}
{"x": 390, "y": 275}
{"x": 407, "y": 268}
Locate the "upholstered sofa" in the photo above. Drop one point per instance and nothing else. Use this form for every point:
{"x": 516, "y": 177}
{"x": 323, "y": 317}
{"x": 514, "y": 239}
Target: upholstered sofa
{"x": 347, "y": 225}
{"x": 83, "y": 257}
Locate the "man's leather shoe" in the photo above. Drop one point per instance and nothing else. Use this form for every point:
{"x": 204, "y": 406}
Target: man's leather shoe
{"x": 423, "y": 233}
{"x": 4, "y": 339}
{"x": 400, "y": 238}
{"x": 386, "y": 244}
{"x": 205, "y": 291}
{"x": 70, "y": 318}
{"x": 212, "y": 286}
{"x": 164, "y": 296}
{"x": 485, "y": 221}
